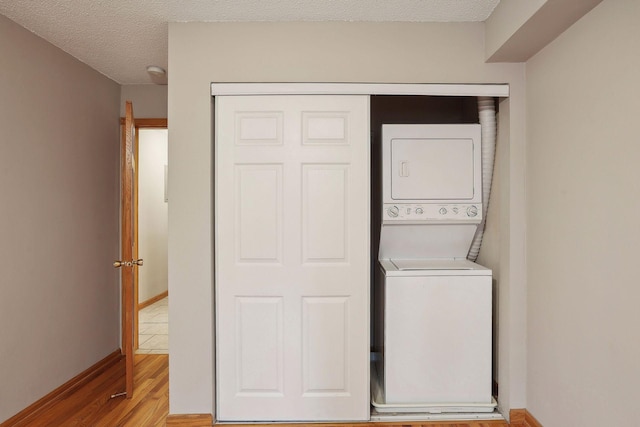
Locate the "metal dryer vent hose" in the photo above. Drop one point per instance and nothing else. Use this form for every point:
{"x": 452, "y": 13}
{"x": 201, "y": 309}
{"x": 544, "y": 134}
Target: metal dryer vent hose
{"x": 487, "y": 115}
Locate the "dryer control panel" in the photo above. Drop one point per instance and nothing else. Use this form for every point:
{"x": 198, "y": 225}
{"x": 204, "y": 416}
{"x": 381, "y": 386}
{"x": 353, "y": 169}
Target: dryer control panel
{"x": 432, "y": 212}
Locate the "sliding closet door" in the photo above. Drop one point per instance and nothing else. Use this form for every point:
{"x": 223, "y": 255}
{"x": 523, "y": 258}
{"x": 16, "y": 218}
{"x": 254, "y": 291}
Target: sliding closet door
{"x": 292, "y": 267}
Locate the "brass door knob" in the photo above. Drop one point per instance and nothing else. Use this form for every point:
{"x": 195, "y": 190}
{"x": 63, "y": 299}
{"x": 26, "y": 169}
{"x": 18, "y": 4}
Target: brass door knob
{"x": 118, "y": 264}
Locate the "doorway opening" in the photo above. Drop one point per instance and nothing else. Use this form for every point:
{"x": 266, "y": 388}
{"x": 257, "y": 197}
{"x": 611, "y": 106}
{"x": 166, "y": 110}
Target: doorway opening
{"x": 151, "y": 206}
{"x": 130, "y": 260}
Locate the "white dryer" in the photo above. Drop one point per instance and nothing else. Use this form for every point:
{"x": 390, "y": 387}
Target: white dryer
{"x": 433, "y": 307}
{"x": 431, "y": 190}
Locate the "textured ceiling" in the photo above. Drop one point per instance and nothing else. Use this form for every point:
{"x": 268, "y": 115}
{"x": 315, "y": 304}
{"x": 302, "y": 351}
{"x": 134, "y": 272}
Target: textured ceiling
{"x": 119, "y": 38}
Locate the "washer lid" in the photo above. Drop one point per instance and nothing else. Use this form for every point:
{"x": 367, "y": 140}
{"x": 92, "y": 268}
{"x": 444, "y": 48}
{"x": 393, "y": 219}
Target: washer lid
{"x": 431, "y": 264}
{"x": 432, "y": 267}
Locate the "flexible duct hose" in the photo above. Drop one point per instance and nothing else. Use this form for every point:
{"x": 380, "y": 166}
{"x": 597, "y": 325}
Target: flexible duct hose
{"x": 487, "y": 115}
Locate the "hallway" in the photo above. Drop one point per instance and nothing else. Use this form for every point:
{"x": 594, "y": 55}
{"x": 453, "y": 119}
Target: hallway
{"x": 153, "y": 327}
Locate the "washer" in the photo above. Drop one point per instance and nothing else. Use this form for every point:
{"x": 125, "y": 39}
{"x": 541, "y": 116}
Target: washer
{"x": 436, "y": 318}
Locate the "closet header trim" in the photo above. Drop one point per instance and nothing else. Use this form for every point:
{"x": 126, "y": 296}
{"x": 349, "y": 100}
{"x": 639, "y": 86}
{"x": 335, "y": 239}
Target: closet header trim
{"x": 496, "y": 90}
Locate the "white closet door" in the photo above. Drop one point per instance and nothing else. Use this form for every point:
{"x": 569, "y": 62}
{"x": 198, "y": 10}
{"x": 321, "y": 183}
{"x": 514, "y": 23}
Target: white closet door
{"x": 292, "y": 258}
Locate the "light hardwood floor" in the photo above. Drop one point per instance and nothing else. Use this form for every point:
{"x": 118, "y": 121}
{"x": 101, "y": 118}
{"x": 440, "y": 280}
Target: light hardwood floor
{"x": 91, "y": 404}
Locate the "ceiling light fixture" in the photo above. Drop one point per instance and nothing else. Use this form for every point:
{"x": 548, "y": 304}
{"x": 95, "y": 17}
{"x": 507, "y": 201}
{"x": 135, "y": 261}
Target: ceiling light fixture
{"x": 155, "y": 70}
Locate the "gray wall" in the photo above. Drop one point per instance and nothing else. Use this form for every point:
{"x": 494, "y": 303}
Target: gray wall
{"x": 59, "y": 138}
{"x": 201, "y": 53}
{"x": 149, "y": 101}
{"x": 583, "y": 186}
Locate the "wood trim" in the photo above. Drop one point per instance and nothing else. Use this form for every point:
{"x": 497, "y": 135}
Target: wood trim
{"x": 530, "y": 420}
{"x": 60, "y": 393}
{"x": 151, "y": 300}
{"x": 523, "y": 418}
{"x": 149, "y": 123}
{"x": 516, "y": 417}
{"x": 190, "y": 420}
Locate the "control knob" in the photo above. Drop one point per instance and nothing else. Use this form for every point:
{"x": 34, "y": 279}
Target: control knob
{"x": 419, "y": 211}
{"x": 472, "y": 211}
{"x": 393, "y": 211}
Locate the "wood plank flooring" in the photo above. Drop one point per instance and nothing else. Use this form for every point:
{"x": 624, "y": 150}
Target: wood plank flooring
{"x": 91, "y": 404}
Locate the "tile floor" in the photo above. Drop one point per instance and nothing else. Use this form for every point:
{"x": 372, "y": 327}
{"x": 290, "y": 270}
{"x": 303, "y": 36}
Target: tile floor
{"x": 153, "y": 328}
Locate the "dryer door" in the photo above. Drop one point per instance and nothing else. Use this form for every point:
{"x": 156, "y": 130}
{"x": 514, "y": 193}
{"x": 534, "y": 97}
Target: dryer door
{"x": 432, "y": 169}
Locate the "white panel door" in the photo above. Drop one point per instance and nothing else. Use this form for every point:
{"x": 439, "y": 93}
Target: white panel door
{"x": 292, "y": 258}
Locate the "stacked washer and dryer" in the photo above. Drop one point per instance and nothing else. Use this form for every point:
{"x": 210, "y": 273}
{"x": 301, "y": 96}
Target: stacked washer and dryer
{"x": 433, "y": 306}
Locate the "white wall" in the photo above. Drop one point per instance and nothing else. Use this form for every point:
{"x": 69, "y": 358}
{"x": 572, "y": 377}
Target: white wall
{"x": 583, "y": 185}
{"x": 505, "y": 21}
{"x": 59, "y": 161}
{"x": 152, "y": 212}
{"x": 518, "y": 29}
{"x": 201, "y": 53}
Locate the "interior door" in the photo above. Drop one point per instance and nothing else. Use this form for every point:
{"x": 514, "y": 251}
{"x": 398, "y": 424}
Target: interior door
{"x": 128, "y": 264}
{"x": 292, "y": 258}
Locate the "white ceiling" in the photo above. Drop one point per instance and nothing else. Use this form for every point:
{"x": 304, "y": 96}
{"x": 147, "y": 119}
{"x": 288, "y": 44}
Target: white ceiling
{"x": 119, "y": 38}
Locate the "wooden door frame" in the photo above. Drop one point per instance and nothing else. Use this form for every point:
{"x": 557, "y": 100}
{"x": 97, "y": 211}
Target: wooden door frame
{"x": 152, "y": 123}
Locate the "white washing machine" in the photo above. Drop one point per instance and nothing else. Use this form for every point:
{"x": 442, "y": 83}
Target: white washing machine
{"x": 436, "y": 346}
{"x": 433, "y": 307}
